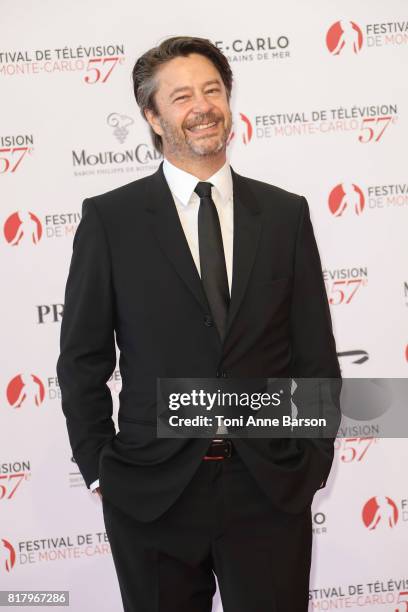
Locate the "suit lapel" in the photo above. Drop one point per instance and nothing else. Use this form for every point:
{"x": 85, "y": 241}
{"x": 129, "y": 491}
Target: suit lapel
{"x": 247, "y": 228}
{"x": 169, "y": 232}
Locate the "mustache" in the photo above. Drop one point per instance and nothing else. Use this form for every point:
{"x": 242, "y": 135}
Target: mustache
{"x": 204, "y": 118}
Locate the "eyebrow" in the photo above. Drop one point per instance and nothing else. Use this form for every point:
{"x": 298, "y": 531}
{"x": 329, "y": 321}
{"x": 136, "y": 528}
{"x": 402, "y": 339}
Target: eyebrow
{"x": 186, "y": 87}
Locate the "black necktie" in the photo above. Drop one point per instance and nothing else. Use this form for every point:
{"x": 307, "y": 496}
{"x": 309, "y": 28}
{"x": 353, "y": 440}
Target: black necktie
{"x": 212, "y": 259}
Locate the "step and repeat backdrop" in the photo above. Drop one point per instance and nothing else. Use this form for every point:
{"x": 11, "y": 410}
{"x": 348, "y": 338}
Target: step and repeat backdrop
{"x": 320, "y": 106}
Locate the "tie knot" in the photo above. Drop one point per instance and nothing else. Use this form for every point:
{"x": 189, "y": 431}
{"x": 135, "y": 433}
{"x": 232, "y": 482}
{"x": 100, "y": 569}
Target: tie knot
{"x": 203, "y": 190}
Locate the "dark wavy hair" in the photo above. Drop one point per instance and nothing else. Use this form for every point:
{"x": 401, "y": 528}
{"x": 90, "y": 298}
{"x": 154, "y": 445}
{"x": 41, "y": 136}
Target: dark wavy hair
{"x": 145, "y": 68}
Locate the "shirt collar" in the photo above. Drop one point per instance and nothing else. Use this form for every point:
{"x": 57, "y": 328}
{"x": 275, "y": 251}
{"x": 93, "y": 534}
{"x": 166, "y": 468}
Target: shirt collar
{"x": 182, "y": 183}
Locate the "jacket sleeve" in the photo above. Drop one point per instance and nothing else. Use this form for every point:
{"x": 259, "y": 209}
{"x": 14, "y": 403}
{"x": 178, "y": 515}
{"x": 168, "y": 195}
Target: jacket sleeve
{"x": 87, "y": 344}
{"x": 314, "y": 353}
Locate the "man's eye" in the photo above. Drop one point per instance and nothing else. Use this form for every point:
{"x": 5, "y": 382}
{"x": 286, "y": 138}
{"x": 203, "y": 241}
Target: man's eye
{"x": 216, "y": 89}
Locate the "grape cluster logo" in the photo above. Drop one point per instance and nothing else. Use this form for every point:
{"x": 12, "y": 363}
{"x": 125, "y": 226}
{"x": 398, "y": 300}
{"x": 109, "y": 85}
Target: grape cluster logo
{"x": 141, "y": 157}
{"x": 120, "y": 124}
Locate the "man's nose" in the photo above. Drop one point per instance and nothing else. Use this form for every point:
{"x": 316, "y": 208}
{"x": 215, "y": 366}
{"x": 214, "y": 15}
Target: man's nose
{"x": 201, "y": 104}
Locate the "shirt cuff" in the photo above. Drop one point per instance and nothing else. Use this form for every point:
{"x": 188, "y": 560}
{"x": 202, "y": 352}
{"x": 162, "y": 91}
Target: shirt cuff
{"x": 94, "y": 485}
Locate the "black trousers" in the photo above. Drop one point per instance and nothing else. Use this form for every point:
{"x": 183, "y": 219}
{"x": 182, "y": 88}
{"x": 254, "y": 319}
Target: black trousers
{"x": 222, "y": 523}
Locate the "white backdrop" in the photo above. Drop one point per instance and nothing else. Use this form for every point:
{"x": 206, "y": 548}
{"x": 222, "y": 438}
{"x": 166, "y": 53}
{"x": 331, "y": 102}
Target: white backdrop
{"x": 320, "y": 108}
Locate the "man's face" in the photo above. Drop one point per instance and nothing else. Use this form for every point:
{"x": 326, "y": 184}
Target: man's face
{"x": 190, "y": 95}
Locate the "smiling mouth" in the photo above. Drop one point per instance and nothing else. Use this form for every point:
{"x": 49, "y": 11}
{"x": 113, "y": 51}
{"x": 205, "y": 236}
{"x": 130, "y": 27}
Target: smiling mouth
{"x": 203, "y": 128}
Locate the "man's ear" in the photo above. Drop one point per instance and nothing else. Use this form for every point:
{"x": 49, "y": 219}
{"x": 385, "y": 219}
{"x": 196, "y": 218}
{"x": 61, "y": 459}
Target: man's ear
{"x": 153, "y": 121}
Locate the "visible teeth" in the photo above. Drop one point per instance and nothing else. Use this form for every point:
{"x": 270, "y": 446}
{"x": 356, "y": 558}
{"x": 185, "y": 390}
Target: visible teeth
{"x": 203, "y": 126}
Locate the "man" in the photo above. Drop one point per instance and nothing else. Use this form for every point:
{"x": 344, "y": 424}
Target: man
{"x": 201, "y": 273}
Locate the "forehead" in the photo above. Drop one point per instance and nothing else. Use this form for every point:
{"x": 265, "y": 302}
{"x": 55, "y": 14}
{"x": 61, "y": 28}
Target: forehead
{"x": 190, "y": 71}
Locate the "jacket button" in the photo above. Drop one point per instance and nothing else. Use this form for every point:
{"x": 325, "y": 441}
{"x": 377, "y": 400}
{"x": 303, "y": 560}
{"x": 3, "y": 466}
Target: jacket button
{"x": 208, "y": 321}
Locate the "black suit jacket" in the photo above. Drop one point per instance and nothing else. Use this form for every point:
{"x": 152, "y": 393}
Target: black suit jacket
{"x": 132, "y": 274}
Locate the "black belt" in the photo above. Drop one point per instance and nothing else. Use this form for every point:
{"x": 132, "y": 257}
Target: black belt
{"x": 219, "y": 449}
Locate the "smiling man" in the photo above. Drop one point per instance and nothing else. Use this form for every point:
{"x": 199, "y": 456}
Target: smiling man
{"x": 195, "y": 119}
{"x": 201, "y": 273}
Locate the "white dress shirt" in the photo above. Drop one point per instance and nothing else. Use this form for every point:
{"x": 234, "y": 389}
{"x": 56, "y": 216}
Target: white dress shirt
{"x": 182, "y": 185}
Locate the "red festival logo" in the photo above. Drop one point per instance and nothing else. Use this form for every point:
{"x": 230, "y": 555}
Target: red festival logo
{"x": 344, "y": 36}
{"x": 7, "y": 555}
{"x": 346, "y": 195}
{"x": 244, "y": 131}
{"x": 380, "y": 509}
{"x": 25, "y": 388}
{"x": 22, "y": 224}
